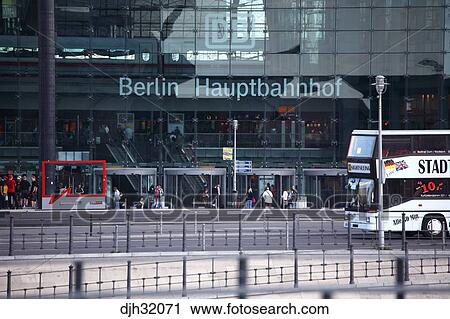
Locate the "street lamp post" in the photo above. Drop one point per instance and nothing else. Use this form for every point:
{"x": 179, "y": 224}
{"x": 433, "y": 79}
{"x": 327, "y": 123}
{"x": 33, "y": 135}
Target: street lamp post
{"x": 235, "y": 127}
{"x": 381, "y": 86}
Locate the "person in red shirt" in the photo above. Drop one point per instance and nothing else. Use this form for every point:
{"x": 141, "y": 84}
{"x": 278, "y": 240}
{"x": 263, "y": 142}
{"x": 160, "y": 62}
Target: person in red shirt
{"x": 11, "y": 183}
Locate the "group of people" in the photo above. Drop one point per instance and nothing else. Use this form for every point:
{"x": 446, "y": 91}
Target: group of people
{"x": 268, "y": 197}
{"x": 155, "y": 198}
{"x": 16, "y": 193}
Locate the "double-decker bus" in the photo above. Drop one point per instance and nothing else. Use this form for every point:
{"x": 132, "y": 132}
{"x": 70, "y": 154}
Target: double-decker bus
{"x": 416, "y": 170}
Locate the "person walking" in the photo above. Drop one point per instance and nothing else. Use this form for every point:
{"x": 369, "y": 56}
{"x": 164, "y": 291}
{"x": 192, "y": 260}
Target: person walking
{"x": 11, "y": 194}
{"x": 267, "y": 197}
{"x": 3, "y": 193}
{"x": 117, "y": 195}
{"x": 24, "y": 191}
{"x": 285, "y": 198}
{"x": 249, "y": 199}
{"x": 34, "y": 191}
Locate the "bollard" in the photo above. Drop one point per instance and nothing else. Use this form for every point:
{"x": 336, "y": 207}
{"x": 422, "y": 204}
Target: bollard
{"x": 11, "y": 235}
{"x": 195, "y": 222}
{"x": 337, "y": 270}
{"x": 203, "y": 238}
{"x": 86, "y": 240}
{"x": 156, "y": 275}
{"x": 70, "y": 233}
{"x": 379, "y": 263}
{"x": 184, "y": 280}
{"x": 267, "y": 237}
{"x": 128, "y": 279}
{"x": 78, "y": 279}
{"x": 403, "y": 231}
{"x": 116, "y": 238}
{"x": 352, "y": 266}
{"x": 254, "y": 237}
{"x": 170, "y": 238}
{"x": 70, "y": 281}
{"x": 23, "y": 241}
{"x": 295, "y": 268}
{"x": 400, "y": 278}
{"x": 406, "y": 262}
{"x": 160, "y": 223}
{"x": 128, "y": 232}
{"x": 212, "y": 273}
{"x": 56, "y": 240}
{"x": 8, "y": 284}
{"x": 268, "y": 268}
{"x": 242, "y": 277}
{"x": 435, "y": 261}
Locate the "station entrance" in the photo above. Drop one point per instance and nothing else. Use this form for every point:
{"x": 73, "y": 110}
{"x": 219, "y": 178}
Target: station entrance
{"x": 134, "y": 183}
{"x": 278, "y": 179}
{"x": 195, "y": 187}
{"x": 324, "y": 187}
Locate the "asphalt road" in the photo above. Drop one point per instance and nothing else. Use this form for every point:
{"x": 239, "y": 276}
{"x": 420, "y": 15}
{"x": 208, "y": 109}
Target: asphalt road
{"x": 205, "y": 230}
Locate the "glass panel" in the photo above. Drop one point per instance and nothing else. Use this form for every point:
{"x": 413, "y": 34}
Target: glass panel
{"x": 426, "y": 18}
{"x": 388, "y": 64}
{"x": 353, "y": 41}
{"x": 352, "y": 64}
{"x": 389, "y": 41}
{"x": 389, "y": 18}
{"x": 353, "y": 19}
{"x": 426, "y": 41}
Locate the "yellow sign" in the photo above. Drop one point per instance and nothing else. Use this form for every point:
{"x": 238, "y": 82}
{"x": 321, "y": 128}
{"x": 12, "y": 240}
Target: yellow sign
{"x": 227, "y": 154}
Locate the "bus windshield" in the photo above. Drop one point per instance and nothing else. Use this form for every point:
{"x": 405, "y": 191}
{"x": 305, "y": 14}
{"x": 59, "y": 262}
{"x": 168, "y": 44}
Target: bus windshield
{"x": 360, "y": 193}
{"x": 361, "y": 146}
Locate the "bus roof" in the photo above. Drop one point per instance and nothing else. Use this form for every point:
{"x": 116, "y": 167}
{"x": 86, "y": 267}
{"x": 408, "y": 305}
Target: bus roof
{"x": 402, "y": 132}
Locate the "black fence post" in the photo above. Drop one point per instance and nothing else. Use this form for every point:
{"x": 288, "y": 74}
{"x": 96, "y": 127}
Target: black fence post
{"x": 242, "y": 277}
{"x": 128, "y": 279}
{"x": 403, "y": 230}
{"x": 294, "y": 231}
{"x": 78, "y": 279}
{"x": 70, "y": 280}
{"x": 443, "y": 235}
{"x": 90, "y": 225}
{"x": 352, "y": 266}
{"x": 183, "y": 244}
{"x": 11, "y": 235}
{"x": 295, "y": 268}
{"x": 8, "y": 284}
{"x": 70, "y": 233}
{"x": 400, "y": 278}
{"x": 128, "y": 232}
{"x": 184, "y": 280}
{"x": 240, "y": 232}
{"x": 349, "y": 232}
{"x": 406, "y": 262}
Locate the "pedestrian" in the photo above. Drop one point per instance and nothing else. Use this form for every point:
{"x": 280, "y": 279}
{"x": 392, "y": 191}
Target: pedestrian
{"x": 24, "y": 191}
{"x": 267, "y": 197}
{"x": 285, "y": 198}
{"x": 116, "y": 195}
{"x": 249, "y": 199}
{"x": 293, "y": 197}
{"x": 216, "y": 196}
{"x": 11, "y": 195}
{"x": 161, "y": 197}
{"x": 79, "y": 189}
{"x": 18, "y": 193}
{"x": 34, "y": 191}
{"x": 151, "y": 196}
{"x": 3, "y": 193}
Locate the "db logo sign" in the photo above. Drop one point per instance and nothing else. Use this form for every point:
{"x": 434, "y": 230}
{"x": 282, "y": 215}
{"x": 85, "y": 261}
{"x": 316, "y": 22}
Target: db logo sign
{"x": 224, "y": 30}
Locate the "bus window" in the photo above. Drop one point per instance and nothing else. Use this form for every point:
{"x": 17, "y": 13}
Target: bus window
{"x": 430, "y": 144}
{"x": 361, "y": 193}
{"x": 362, "y": 146}
{"x": 396, "y": 146}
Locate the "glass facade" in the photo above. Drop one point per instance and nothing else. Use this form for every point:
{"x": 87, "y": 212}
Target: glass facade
{"x": 169, "y": 77}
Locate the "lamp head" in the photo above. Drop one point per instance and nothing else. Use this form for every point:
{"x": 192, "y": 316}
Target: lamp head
{"x": 235, "y": 124}
{"x": 380, "y": 84}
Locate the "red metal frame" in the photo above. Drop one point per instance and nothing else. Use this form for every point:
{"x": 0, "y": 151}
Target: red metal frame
{"x": 101, "y": 162}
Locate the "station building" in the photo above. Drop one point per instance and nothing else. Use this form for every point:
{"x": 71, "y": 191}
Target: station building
{"x": 156, "y": 84}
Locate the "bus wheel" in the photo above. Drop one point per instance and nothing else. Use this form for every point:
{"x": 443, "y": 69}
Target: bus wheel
{"x": 432, "y": 225}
